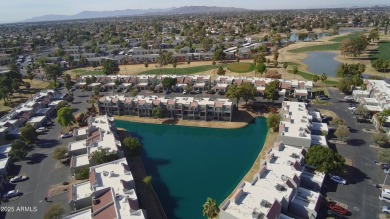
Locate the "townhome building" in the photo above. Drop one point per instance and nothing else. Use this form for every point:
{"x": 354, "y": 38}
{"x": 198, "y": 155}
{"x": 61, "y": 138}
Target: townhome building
{"x": 100, "y": 134}
{"x": 278, "y": 188}
{"x": 110, "y": 192}
{"x": 178, "y": 107}
{"x": 37, "y": 111}
{"x": 298, "y": 128}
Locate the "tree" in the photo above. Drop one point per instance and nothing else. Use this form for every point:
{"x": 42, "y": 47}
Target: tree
{"x": 60, "y": 153}
{"x": 28, "y": 134}
{"x": 382, "y": 116}
{"x": 148, "y": 182}
{"x": 53, "y": 72}
{"x": 134, "y": 92}
{"x": 373, "y": 35}
{"x": 158, "y": 113}
{"x": 146, "y": 64}
{"x": 68, "y": 86}
{"x": 273, "y": 121}
{"x": 295, "y": 70}
{"x": 316, "y": 78}
{"x": 354, "y": 47}
{"x": 96, "y": 90}
{"x": 271, "y": 91}
{"x": 54, "y": 212}
{"x": 65, "y": 116}
{"x": 102, "y": 156}
{"x": 384, "y": 155}
{"x": 165, "y": 58}
{"x": 30, "y": 75}
{"x": 168, "y": 82}
{"x": 18, "y": 150}
{"x": 342, "y": 132}
{"x": 324, "y": 159}
{"x": 83, "y": 61}
{"x": 210, "y": 208}
{"x": 247, "y": 92}
{"x": 219, "y": 54}
{"x": 380, "y": 139}
{"x": 349, "y": 70}
{"x": 174, "y": 64}
{"x": 110, "y": 67}
{"x": 261, "y": 68}
{"x": 133, "y": 146}
{"x": 337, "y": 121}
{"x": 323, "y": 77}
{"x": 285, "y": 65}
{"x": 221, "y": 71}
{"x": 302, "y": 36}
{"x": 82, "y": 173}
{"x": 234, "y": 92}
{"x": 187, "y": 88}
{"x": 362, "y": 110}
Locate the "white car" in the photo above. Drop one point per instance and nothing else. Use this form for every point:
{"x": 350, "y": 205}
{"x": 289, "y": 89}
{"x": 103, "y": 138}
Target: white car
{"x": 40, "y": 130}
{"x": 66, "y": 135}
{"x": 386, "y": 209}
{"x": 387, "y": 171}
{"x": 338, "y": 180}
{"x": 184, "y": 92}
{"x": 11, "y": 194}
{"x": 352, "y": 108}
{"x": 18, "y": 179}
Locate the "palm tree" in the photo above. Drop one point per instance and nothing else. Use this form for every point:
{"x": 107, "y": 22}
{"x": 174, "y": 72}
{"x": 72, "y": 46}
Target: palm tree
{"x": 210, "y": 208}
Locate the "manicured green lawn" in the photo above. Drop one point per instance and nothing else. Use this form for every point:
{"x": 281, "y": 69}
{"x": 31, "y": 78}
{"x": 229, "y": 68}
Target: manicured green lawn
{"x": 180, "y": 71}
{"x": 349, "y": 36}
{"x": 334, "y": 46}
{"x": 84, "y": 72}
{"x": 241, "y": 67}
{"x": 383, "y": 52}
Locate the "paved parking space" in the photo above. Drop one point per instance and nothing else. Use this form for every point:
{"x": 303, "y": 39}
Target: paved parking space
{"x": 43, "y": 172}
{"x": 361, "y": 193}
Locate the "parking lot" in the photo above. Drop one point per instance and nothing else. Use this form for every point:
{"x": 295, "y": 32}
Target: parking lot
{"x": 43, "y": 172}
{"x": 360, "y": 193}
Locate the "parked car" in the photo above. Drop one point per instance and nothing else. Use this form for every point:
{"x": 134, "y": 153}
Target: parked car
{"x": 18, "y": 178}
{"x": 66, "y": 135}
{"x": 348, "y": 98}
{"x": 386, "y": 209}
{"x": 221, "y": 93}
{"x": 386, "y": 171}
{"x": 11, "y": 194}
{"x": 40, "y": 130}
{"x": 352, "y": 108}
{"x": 337, "y": 209}
{"x": 184, "y": 92}
{"x": 385, "y": 166}
{"x": 338, "y": 180}
{"x": 322, "y": 98}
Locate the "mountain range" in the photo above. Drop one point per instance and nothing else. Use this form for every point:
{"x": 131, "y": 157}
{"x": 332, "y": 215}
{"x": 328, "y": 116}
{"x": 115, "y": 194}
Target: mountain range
{"x": 133, "y": 12}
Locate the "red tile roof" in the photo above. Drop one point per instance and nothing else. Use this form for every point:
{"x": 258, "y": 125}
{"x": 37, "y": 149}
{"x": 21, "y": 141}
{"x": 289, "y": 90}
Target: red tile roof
{"x": 156, "y": 102}
{"x": 171, "y": 102}
{"x": 141, "y": 102}
{"x": 104, "y": 207}
{"x": 194, "y": 104}
{"x": 285, "y": 85}
{"x": 115, "y": 100}
{"x": 92, "y": 177}
{"x": 94, "y": 137}
{"x": 70, "y": 193}
{"x": 218, "y": 104}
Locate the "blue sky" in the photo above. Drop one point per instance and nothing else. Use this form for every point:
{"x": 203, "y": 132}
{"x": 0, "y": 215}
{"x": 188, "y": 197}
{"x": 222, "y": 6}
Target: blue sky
{"x": 18, "y": 10}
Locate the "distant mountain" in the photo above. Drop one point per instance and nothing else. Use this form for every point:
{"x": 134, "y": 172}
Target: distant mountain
{"x": 132, "y": 12}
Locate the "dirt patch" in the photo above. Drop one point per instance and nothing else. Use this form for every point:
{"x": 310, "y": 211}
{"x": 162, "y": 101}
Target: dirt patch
{"x": 60, "y": 188}
{"x": 328, "y": 113}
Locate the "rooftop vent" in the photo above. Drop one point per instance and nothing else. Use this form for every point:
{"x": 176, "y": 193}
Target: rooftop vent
{"x": 265, "y": 204}
{"x": 280, "y": 188}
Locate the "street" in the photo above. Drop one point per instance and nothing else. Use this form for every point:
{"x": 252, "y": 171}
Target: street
{"x": 43, "y": 172}
{"x": 360, "y": 193}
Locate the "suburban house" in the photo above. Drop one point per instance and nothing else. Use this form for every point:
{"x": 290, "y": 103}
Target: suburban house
{"x": 178, "y": 107}
{"x": 109, "y": 193}
{"x": 298, "y": 129}
{"x": 276, "y": 189}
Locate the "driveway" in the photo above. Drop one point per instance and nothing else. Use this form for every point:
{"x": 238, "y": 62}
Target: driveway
{"x": 360, "y": 194}
{"x": 43, "y": 172}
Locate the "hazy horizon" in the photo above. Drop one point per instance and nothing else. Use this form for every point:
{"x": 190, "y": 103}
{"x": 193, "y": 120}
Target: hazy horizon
{"x": 16, "y": 11}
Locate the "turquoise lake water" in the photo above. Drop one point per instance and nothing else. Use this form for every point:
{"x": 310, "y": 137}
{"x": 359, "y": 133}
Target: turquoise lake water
{"x": 189, "y": 164}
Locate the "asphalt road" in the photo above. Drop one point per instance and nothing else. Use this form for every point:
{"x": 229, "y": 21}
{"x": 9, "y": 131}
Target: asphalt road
{"x": 43, "y": 172}
{"x": 360, "y": 193}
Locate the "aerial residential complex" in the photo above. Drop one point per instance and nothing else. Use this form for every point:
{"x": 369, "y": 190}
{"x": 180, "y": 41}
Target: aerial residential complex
{"x": 282, "y": 186}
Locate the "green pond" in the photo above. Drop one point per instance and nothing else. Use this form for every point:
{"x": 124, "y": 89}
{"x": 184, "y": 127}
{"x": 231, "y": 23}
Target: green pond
{"x": 189, "y": 164}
